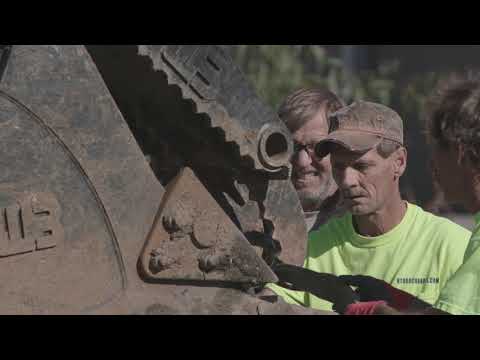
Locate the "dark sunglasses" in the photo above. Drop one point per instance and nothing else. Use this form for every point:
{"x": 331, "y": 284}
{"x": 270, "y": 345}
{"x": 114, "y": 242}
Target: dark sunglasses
{"x": 314, "y": 151}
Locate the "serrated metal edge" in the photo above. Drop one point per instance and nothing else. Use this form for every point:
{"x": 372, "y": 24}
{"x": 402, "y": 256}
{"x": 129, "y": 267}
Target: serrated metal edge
{"x": 218, "y": 120}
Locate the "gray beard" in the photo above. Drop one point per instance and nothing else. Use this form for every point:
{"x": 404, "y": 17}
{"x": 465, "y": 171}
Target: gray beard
{"x": 313, "y": 200}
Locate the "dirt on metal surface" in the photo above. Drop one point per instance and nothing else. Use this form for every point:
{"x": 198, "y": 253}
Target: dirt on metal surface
{"x": 193, "y": 239}
{"x": 80, "y": 199}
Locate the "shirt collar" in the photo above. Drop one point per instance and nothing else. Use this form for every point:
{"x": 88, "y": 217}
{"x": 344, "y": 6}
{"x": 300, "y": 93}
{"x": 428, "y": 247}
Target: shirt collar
{"x": 375, "y": 241}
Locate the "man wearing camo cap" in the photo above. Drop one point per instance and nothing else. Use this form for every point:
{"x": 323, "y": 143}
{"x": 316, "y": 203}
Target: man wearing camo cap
{"x": 381, "y": 236}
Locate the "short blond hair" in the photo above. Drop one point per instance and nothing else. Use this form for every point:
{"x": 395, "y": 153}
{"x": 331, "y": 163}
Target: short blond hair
{"x": 302, "y": 105}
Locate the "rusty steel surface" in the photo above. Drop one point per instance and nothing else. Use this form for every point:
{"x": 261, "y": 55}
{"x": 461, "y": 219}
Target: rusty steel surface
{"x": 260, "y": 216}
{"x": 193, "y": 239}
{"x": 207, "y": 75}
{"x": 63, "y": 135}
{"x": 31, "y": 223}
{"x": 173, "y": 79}
{"x": 79, "y": 199}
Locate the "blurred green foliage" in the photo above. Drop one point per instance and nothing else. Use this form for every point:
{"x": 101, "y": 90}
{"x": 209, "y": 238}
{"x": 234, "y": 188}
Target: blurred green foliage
{"x": 278, "y": 70}
{"x": 412, "y": 94}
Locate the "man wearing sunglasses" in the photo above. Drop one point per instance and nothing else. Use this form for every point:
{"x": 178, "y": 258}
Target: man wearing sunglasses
{"x": 381, "y": 236}
{"x": 305, "y": 113}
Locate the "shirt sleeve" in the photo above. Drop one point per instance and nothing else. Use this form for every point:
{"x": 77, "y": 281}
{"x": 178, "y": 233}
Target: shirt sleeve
{"x": 455, "y": 253}
{"x": 289, "y": 296}
{"x": 461, "y": 294}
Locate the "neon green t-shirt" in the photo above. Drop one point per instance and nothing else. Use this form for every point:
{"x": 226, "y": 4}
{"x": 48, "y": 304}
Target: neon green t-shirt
{"x": 418, "y": 256}
{"x": 461, "y": 294}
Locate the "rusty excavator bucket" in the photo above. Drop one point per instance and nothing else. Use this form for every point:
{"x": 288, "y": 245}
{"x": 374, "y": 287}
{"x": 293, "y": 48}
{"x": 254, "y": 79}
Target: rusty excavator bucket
{"x": 143, "y": 179}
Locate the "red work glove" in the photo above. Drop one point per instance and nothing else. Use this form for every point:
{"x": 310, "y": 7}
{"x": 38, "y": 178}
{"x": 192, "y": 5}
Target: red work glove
{"x": 363, "y": 308}
{"x": 371, "y": 289}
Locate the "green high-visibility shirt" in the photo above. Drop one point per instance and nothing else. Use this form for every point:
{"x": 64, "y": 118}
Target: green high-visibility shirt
{"x": 461, "y": 294}
{"x": 418, "y": 256}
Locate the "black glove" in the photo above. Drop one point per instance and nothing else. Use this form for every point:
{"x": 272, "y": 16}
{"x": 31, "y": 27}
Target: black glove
{"x": 324, "y": 286}
{"x": 371, "y": 289}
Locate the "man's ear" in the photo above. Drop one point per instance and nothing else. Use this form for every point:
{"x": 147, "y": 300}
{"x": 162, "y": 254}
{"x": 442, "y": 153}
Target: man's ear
{"x": 464, "y": 160}
{"x": 461, "y": 154}
{"x": 476, "y": 178}
{"x": 400, "y": 162}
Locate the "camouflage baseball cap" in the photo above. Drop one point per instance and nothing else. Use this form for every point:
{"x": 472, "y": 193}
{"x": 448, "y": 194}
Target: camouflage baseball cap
{"x": 360, "y": 127}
